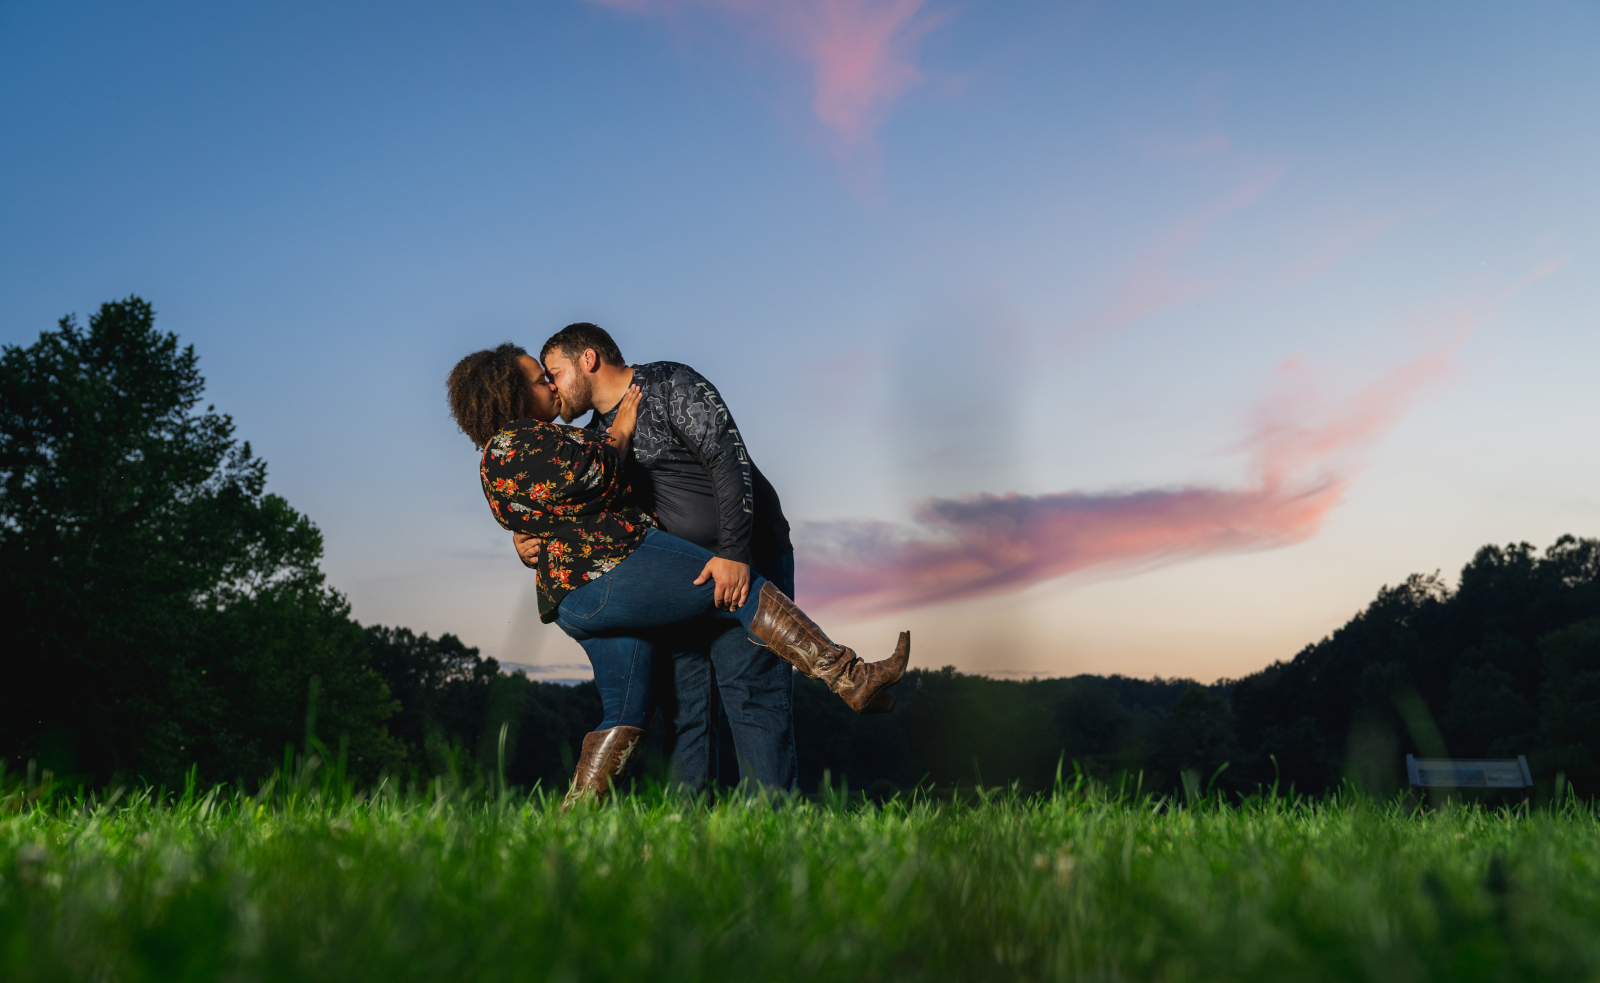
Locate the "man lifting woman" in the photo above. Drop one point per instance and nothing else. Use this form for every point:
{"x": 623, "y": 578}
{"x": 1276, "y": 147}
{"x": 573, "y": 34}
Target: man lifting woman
{"x": 606, "y": 572}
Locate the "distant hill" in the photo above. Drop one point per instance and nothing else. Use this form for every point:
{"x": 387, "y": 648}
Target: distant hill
{"x": 1506, "y": 663}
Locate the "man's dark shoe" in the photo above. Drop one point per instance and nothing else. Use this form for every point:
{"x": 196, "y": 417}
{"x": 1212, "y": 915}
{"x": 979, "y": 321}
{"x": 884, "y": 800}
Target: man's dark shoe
{"x": 796, "y": 639}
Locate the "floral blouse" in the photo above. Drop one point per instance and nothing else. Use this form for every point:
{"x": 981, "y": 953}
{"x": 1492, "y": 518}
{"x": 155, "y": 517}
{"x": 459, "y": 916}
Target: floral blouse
{"x": 564, "y": 486}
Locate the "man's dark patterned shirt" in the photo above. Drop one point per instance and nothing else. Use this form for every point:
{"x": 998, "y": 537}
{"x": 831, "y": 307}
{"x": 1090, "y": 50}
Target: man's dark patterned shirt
{"x": 566, "y": 487}
{"x": 692, "y": 470}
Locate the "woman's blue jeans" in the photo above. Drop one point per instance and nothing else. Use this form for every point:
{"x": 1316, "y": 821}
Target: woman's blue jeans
{"x": 623, "y": 671}
{"x": 653, "y": 588}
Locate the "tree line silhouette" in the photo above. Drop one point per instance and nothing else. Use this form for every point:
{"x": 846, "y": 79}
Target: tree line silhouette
{"x": 164, "y": 611}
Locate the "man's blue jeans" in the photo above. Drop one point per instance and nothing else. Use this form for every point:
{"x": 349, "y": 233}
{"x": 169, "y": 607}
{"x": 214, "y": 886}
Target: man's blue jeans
{"x": 706, "y": 668}
{"x": 652, "y": 589}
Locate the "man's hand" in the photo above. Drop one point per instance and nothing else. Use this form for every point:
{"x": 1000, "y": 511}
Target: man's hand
{"x": 527, "y": 548}
{"x": 733, "y": 582}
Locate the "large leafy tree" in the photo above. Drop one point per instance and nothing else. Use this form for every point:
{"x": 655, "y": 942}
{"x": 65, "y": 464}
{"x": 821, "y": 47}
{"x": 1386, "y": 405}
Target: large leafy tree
{"x": 1508, "y": 663}
{"x": 163, "y": 608}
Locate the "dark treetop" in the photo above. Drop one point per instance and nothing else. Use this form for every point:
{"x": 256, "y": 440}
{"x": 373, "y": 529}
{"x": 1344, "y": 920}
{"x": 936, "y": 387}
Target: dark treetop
{"x": 160, "y": 608}
{"x": 564, "y": 486}
{"x": 695, "y": 473}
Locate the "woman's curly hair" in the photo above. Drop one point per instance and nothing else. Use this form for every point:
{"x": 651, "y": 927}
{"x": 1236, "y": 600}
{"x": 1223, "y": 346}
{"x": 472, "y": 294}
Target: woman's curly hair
{"x": 488, "y": 391}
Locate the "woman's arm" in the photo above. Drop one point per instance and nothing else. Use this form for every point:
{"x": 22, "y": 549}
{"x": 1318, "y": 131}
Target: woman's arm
{"x": 539, "y": 473}
{"x": 627, "y": 420}
{"x": 528, "y": 548}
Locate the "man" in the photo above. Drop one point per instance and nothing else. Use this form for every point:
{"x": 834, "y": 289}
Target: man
{"x": 695, "y": 473}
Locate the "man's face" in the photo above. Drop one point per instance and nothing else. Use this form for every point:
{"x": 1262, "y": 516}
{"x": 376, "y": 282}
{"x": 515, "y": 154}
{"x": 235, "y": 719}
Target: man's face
{"x": 540, "y": 389}
{"x": 574, "y": 386}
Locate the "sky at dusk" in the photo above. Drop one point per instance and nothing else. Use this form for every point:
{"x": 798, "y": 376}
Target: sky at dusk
{"x": 1148, "y": 338}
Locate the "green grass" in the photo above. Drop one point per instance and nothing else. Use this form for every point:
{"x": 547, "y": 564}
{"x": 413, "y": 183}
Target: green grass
{"x": 1081, "y": 885}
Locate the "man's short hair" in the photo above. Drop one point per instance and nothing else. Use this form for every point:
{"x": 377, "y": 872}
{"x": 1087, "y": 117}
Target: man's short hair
{"x": 488, "y": 392}
{"x": 574, "y": 339}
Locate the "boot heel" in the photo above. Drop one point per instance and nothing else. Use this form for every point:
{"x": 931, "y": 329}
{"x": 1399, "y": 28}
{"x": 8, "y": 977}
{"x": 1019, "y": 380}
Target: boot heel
{"x": 882, "y": 703}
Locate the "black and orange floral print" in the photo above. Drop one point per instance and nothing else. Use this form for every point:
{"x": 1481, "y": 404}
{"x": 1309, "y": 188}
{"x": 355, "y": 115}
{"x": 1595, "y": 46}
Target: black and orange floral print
{"x": 565, "y": 487}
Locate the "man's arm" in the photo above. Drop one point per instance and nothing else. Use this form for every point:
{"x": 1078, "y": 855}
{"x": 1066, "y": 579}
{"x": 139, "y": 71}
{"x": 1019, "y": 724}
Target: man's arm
{"x": 701, "y": 421}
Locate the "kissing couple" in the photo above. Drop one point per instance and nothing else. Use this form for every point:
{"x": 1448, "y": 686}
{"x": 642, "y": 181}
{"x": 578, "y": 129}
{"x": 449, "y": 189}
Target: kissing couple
{"x": 659, "y": 546}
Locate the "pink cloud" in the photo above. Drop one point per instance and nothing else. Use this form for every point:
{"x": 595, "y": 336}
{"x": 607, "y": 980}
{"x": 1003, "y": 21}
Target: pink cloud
{"x": 860, "y": 52}
{"x": 1302, "y": 458}
{"x": 987, "y": 544}
{"x": 991, "y": 544}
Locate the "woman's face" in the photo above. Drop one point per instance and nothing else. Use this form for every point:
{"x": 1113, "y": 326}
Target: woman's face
{"x": 540, "y": 389}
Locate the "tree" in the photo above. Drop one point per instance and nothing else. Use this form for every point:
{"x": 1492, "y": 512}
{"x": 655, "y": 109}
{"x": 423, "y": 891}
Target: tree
{"x": 442, "y": 685}
{"x": 1503, "y": 665}
{"x": 1570, "y": 721}
{"x": 162, "y": 608}
{"x": 1199, "y": 736}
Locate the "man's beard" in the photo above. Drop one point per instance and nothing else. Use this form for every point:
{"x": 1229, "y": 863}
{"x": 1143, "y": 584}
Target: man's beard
{"x": 578, "y": 400}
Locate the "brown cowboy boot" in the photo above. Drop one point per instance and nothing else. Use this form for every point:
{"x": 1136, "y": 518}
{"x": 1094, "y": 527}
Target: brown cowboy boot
{"x": 605, "y": 754}
{"x": 797, "y": 640}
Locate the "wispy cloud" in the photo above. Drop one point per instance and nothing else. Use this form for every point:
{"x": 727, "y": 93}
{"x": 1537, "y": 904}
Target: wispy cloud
{"x": 1152, "y": 281}
{"x": 861, "y": 53}
{"x": 1338, "y": 244}
{"x": 1303, "y": 456}
{"x": 1192, "y": 148}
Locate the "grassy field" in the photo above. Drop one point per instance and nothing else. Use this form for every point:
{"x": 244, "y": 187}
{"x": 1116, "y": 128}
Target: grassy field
{"x": 1081, "y": 885}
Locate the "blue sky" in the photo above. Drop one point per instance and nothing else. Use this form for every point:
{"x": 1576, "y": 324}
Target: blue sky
{"x": 1254, "y": 308}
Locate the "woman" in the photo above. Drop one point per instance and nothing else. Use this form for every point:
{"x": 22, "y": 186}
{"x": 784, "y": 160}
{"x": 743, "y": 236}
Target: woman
{"x": 605, "y": 573}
